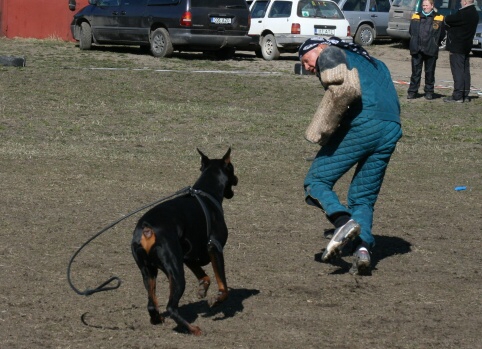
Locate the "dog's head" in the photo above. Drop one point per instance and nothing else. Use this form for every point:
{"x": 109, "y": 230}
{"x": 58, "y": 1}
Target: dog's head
{"x": 227, "y": 169}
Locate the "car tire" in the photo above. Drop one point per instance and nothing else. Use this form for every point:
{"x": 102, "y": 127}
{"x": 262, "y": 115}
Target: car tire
{"x": 269, "y": 48}
{"x": 161, "y": 45}
{"x": 85, "y": 40}
{"x": 365, "y": 35}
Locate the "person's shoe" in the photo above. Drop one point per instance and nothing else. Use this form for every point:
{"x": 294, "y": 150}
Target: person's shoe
{"x": 341, "y": 237}
{"x": 429, "y": 96}
{"x": 361, "y": 262}
{"x": 451, "y": 99}
{"x": 466, "y": 100}
{"x": 411, "y": 95}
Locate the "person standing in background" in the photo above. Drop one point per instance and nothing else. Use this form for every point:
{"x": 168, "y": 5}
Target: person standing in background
{"x": 426, "y": 30}
{"x": 461, "y": 28}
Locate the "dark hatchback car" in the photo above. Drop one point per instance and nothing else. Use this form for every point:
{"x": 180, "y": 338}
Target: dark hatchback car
{"x": 162, "y": 26}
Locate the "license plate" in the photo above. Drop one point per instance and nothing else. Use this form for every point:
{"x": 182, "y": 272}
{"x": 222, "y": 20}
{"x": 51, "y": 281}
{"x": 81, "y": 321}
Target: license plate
{"x": 475, "y": 42}
{"x": 324, "y": 31}
{"x": 220, "y": 20}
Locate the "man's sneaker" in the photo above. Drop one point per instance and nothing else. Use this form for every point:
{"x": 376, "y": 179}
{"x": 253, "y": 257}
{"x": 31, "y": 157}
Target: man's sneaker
{"x": 411, "y": 95}
{"x": 429, "y": 95}
{"x": 342, "y": 235}
{"x": 451, "y": 99}
{"x": 361, "y": 262}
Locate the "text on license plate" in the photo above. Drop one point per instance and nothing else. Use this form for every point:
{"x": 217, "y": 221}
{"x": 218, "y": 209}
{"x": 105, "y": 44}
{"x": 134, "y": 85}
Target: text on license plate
{"x": 220, "y": 20}
{"x": 319, "y": 31}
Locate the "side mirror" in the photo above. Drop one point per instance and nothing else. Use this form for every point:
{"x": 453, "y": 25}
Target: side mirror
{"x": 72, "y": 5}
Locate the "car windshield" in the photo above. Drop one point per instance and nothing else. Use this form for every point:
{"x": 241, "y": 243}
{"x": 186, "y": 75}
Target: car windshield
{"x": 318, "y": 9}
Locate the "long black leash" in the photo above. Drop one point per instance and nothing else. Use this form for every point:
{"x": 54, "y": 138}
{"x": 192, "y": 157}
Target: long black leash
{"x": 103, "y": 286}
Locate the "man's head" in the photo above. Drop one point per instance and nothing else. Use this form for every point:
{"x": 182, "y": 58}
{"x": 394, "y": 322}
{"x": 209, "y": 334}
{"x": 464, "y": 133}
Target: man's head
{"x": 309, "y": 52}
{"x": 309, "y": 59}
{"x": 464, "y": 3}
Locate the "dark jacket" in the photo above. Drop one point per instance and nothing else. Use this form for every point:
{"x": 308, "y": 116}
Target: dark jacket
{"x": 426, "y": 33}
{"x": 461, "y": 29}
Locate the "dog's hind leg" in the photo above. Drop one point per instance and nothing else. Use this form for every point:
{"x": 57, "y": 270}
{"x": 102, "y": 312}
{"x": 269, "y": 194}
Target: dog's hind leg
{"x": 172, "y": 262}
{"x": 149, "y": 275}
{"x": 202, "y": 277}
{"x": 217, "y": 261}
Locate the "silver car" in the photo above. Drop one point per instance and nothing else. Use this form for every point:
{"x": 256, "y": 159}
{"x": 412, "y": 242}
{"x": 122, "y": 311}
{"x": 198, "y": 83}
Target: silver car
{"x": 368, "y": 19}
{"x": 477, "y": 47}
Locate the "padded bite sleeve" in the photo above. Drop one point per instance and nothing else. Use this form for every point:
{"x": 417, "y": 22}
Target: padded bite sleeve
{"x": 342, "y": 88}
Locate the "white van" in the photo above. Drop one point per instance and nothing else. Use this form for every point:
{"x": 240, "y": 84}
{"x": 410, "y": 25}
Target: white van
{"x": 402, "y": 10}
{"x": 283, "y": 25}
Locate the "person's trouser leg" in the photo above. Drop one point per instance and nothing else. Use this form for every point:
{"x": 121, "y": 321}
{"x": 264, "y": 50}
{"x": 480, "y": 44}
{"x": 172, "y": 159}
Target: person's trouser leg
{"x": 369, "y": 143}
{"x": 368, "y": 178}
{"x": 457, "y": 66}
{"x": 417, "y": 65}
{"x": 466, "y": 76}
{"x": 430, "y": 63}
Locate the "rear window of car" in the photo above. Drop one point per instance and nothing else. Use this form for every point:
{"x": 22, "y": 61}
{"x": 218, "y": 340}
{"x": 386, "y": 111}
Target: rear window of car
{"x": 318, "y": 9}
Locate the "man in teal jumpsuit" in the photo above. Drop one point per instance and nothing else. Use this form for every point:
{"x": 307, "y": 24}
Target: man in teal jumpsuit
{"x": 357, "y": 124}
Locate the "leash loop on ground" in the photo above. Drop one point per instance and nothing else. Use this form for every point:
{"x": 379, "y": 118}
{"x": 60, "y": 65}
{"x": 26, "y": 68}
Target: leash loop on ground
{"x": 103, "y": 287}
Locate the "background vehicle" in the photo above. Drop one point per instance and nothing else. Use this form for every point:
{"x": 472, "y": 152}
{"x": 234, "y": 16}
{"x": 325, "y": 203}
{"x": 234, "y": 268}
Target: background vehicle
{"x": 283, "y": 25}
{"x": 163, "y": 26}
{"x": 477, "y": 47}
{"x": 402, "y": 10}
{"x": 368, "y": 19}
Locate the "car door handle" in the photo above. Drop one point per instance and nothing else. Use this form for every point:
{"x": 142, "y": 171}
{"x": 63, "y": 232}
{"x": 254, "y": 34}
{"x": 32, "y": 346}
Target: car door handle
{"x": 260, "y": 21}
{"x": 123, "y": 13}
{"x": 374, "y": 16}
{"x": 115, "y": 13}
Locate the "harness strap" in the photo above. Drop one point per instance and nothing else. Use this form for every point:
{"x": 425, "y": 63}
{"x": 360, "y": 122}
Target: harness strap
{"x": 197, "y": 193}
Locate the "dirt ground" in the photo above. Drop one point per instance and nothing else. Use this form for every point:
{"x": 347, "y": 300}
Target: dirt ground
{"x": 82, "y": 145}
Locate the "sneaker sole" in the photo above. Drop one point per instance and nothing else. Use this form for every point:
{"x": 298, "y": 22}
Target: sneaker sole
{"x": 334, "y": 247}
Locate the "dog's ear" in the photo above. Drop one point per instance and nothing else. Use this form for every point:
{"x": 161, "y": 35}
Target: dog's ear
{"x": 204, "y": 159}
{"x": 227, "y": 156}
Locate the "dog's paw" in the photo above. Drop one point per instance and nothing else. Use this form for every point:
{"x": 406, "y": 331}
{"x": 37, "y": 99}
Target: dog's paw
{"x": 218, "y": 299}
{"x": 156, "y": 320}
{"x": 203, "y": 288}
{"x": 195, "y": 330}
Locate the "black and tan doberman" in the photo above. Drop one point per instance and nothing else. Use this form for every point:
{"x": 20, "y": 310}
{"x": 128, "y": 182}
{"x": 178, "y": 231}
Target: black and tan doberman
{"x": 188, "y": 229}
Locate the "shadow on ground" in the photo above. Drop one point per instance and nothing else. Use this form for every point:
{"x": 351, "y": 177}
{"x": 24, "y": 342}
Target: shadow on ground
{"x": 386, "y": 246}
{"x": 190, "y": 312}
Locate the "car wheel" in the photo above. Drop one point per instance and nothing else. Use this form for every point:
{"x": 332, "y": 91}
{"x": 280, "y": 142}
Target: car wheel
{"x": 365, "y": 35}
{"x": 269, "y": 49}
{"x": 225, "y": 53}
{"x": 85, "y": 41}
{"x": 161, "y": 45}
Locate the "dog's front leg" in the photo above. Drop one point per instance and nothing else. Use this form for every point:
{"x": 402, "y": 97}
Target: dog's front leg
{"x": 217, "y": 261}
{"x": 202, "y": 277}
